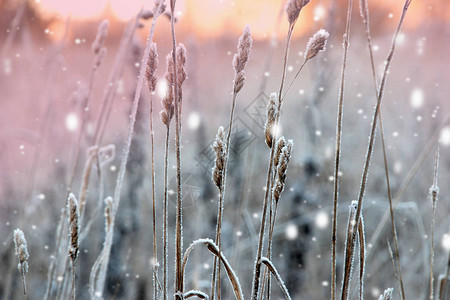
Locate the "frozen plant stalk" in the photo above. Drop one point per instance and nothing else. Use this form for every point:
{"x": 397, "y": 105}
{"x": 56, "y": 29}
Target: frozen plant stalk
{"x": 387, "y": 295}
{"x": 293, "y": 8}
{"x": 219, "y": 148}
{"x": 166, "y": 116}
{"x": 240, "y": 60}
{"x": 73, "y": 227}
{"x": 316, "y": 44}
{"x": 281, "y": 171}
{"x": 102, "y": 32}
{"x": 348, "y": 262}
{"x": 281, "y": 160}
{"x": 97, "y": 46}
{"x": 434, "y": 192}
{"x": 270, "y": 121}
{"x": 74, "y": 215}
{"x": 180, "y": 76}
{"x": 152, "y": 65}
{"x": 151, "y": 78}
{"x": 22, "y": 255}
{"x": 167, "y": 112}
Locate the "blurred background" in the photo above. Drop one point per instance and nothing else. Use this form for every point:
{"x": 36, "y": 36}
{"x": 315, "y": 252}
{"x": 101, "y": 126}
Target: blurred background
{"x": 46, "y": 75}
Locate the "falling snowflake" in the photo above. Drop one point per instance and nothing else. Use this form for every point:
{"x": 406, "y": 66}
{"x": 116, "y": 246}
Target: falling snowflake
{"x": 193, "y": 120}
{"x": 291, "y": 232}
{"x": 417, "y": 97}
{"x": 162, "y": 88}
{"x": 319, "y": 13}
{"x": 7, "y": 67}
{"x": 445, "y": 136}
{"x": 72, "y": 122}
{"x": 445, "y": 242}
{"x": 322, "y": 220}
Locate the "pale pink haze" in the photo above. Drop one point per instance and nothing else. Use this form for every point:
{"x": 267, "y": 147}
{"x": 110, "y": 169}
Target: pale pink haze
{"x": 213, "y": 18}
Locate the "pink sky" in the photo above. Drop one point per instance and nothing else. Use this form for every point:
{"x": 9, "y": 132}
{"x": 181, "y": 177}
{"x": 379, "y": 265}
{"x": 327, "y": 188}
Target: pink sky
{"x": 212, "y": 18}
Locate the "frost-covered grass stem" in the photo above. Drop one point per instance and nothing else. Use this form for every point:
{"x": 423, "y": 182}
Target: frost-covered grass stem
{"x": 340, "y": 115}
{"x": 257, "y": 268}
{"x": 123, "y": 163}
{"x": 375, "y": 118}
{"x": 434, "y": 192}
{"x": 179, "y": 213}
{"x": 349, "y": 248}
{"x": 212, "y": 247}
{"x": 21, "y": 249}
{"x": 166, "y": 217}
{"x": 240, "y": 60}
{"x": 151, "y": 84}
{"x": 364, "y": 12}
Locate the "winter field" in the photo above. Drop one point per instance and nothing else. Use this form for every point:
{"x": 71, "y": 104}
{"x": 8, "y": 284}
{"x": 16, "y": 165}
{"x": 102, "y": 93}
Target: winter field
{"x": 319, "y": 119}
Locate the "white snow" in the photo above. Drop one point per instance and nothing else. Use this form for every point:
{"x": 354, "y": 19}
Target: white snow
{"x": 291, "y": 232}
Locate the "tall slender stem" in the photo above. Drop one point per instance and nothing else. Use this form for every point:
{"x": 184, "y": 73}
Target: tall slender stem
{"x": 179, "y": 220}
{"x": 432, "y": 253}
{"x": 24, "y": 283}
{"x": 375, "y": 119}
{"x": 257, "y": 269}
{"x": 73, "y": 280}
{"x": 216, "y": 269}
{"x": 293, "y": 80}
{"x": 364, "y": 8}
{"x": 340, "y": 115}
{"x": 123, "y": 163}
{"x": 391, "y": 211}
{"x": 269, "y": 247}
{"x": 165, "y": 216}
{"x": 221, "y": 198}
{"x": 434, "y": 190}
{"x": 155, "y": 248}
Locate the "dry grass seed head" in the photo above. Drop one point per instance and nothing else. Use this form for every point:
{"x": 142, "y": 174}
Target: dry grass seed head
{"x": 152, "y": 65}
{"x": 146, "y": 14}
{"x": 99, "y": 57}
{"x": 281, "y": 142}
{"x": 74, "y": 215}
{"x": 270, "y": 121}
{"x": 239, "y": 81}
{"x": 159, "y": 7}
{"x": 293, "y": 8}
{"x": 363, "y": 10}
{"x": 167, "y": 113}
{"x": 181, "y": 71}
{"x": 282, "y": 169}
{"x": 241, "y": 57}
{"x": 219, "y": 147}
{"x": 164, "y": 117}
{"x": 244, "y": 46}
{"x": 169, "y": 70}
{"x": 434, "y": 189}
{"x": 108, "y": 212}
{"x": 21, "y": 250}
{"x": 387, "y": 295}
{"x": 316, "y": 44}
{"x": 434, "y": 192}
{"x": 102, "y": 32}
{"x": 169, "y": 108}
{"x": 181, "y": 63}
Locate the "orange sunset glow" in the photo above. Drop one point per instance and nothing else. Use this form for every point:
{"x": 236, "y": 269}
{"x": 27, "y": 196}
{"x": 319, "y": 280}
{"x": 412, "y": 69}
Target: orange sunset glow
{"x": 213, "y": 18}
